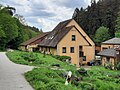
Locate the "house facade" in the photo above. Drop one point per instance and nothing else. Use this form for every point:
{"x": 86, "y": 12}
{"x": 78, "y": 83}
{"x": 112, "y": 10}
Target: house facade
{"x": 69, "y": 39}
{"x": 110, "y": 51}
{"x": 32, "y": 44}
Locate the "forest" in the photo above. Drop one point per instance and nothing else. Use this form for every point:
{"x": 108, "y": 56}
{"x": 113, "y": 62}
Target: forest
{"x": 13, "y": 31}
{"x": 100, "y": 20}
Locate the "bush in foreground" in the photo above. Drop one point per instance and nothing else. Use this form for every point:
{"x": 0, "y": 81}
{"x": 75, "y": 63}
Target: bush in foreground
{"x": 47, "y": 79}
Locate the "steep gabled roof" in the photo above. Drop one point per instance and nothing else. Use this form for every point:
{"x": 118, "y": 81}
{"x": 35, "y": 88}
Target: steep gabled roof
{"x": 58, "y": 33}
{"x": 54, "y": 37}
{"x": 113, "y": 41}
{"x": 34, "y": 39}
{"x": 108, "y": 52}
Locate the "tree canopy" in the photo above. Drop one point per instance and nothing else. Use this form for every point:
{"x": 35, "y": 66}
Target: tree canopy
{"x": 101, "y": 13}
{"x": 117, "y": 34}
{"x": 101, "y": 35}
{"x": 117, "y": 26}
{"x": 12, "y": 31}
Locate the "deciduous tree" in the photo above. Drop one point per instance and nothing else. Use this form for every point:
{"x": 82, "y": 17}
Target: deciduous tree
{"x": 101, "y": 35}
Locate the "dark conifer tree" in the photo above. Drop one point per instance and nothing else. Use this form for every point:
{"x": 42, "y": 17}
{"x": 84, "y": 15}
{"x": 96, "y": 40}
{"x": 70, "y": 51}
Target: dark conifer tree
{"x": 101, "y": 13}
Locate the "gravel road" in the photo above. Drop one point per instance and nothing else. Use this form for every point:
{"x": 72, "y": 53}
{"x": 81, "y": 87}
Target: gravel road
{"x": 11, "y": 75}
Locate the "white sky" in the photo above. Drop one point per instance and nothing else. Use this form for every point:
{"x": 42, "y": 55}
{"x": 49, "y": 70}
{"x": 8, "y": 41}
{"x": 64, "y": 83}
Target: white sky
{"x": 45, "y": 14}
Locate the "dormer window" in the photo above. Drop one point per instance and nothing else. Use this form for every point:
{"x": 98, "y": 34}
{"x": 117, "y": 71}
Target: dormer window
{"x": 51, "y": 37}
{"x": 46, "y": 38}
{"x": 73, "y": 37}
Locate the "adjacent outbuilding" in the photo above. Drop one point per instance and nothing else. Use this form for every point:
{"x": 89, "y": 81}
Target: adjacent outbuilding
{"x": 32, "y": 44}
{"x": 110, "y": 51}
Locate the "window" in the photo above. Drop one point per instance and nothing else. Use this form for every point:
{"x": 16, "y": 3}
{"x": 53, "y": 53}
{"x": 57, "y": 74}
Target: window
{"x": 73, "y": 37}
{"x": 107, "y": 59}
{"x": 84, "y": 58}
{"x": 80, "y": 48}
{"x": 104, "y": 48}
{"x": 71, "y": 49}
{"x": 81, "y": 53}
{"x": 64, "y": 50}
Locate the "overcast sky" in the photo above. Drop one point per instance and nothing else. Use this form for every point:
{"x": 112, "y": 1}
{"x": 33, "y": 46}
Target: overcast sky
{"x": 45, "y": 14}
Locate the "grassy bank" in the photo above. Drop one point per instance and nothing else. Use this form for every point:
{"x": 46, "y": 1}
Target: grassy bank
{"x": 37, "y": 59}
{"x": 48, "y": 77}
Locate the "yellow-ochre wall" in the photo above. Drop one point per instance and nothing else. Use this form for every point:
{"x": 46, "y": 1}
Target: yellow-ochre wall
{"x": 105, "y": 62}
{"x": 48, "y": 50}
{"x": 28, "y": 47}
{"x": 23, "y": 48}
{"x": 89, "y": 51}
{"x": 74, "y": 23}
{"x": 106, "y": 46}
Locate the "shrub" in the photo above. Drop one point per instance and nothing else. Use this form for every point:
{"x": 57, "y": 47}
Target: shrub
{"x": 61, "y": 73}
{"x": 109, "y": 66}
{"x": 30, "y": 57}
{"x": 117, "y": 66}
{"x": 38, "y": 61}
{"x": 105, "y": 85}
{"x": 76, "y": 80}
{"x": 86, "y": 86}
{"x": 106, "y": 78}
{"x": 59, "y": 86}
{"x": 117, "y": 81}
{"x": 82, "y": 71}
{"x": 62, "y": 58}
{"x": 45, "y": 78}
{"x": 56, "y": 65}
{"x": 54, "y": 86}
{"x": 39, "y": 85}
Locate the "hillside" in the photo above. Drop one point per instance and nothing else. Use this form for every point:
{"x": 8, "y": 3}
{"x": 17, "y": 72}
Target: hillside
{"x": 50, "y": 73}
{"x": 12, "y": 31}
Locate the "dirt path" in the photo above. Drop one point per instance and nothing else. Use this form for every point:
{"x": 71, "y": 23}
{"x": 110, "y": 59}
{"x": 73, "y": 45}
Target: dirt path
{"x": 11, "y": 75}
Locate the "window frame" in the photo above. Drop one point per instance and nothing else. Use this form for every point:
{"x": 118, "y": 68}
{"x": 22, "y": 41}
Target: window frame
{"x": 84, "y": 58}
{"x": 72, "y": 50}
{"x": 80, "y": 48}
{"x": 73, "y": 38}
{"x": 64, "y": 50}
{"x": 81, "y": 53}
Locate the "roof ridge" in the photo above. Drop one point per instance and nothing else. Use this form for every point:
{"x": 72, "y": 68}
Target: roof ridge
{"x": 66, "y": 20}
{"x": 112, "y": 41}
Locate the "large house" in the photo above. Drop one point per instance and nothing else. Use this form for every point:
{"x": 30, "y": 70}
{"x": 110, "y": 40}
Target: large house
{"x": 110, "y": 51}
{"x": 69, "y": 39}
{"x": 32, "y": 44}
